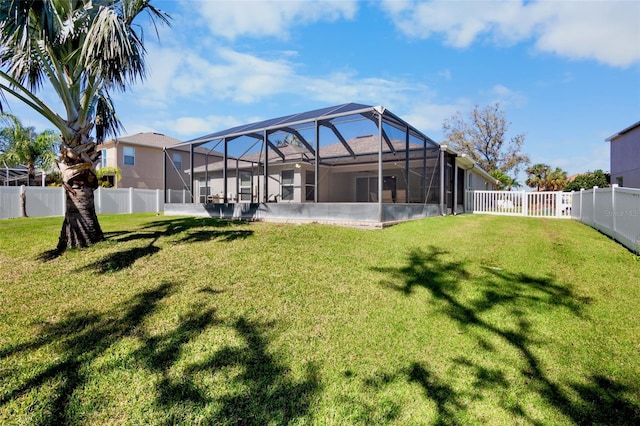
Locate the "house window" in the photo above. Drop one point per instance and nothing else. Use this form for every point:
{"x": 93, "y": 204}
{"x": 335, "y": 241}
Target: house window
{"x": 177, "y": 161}
{"x": 103, "y": 158}
{"x": 129, "y": 155}
{"x": 245, "y": 186}
{"x": 310, "y": 185}
{"x": 286, "y": 185}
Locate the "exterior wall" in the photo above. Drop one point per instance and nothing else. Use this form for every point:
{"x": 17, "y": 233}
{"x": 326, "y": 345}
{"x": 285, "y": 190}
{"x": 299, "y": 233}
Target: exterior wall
{"x": 477, "y": 183}
{"x": 625, "y": 158}
{"x": 146, "y": 172}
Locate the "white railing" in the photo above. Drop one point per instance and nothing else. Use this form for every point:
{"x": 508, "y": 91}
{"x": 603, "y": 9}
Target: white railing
{"x": 51, "y": 201}
{"x": 614, "y": 211}
{"x": 521, "y": 203}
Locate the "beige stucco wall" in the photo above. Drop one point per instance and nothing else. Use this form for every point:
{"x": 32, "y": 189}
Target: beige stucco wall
{"x": 146, "y": 172}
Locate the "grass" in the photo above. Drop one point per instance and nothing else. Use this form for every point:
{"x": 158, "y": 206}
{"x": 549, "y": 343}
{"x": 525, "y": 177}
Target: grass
{"x": 454, "y": 320}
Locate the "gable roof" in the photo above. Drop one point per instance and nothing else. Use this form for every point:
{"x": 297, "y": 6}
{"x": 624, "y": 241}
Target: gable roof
{"x": 623, "y": 131}
{"x": 150, "y": 139}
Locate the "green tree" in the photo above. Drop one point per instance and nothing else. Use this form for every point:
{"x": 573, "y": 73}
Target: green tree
{"x": 506, "y": 182}
{"x": 103, "y": 173}
{"x": 544, "y": 178}
{"x": 24, "y": 146}
{"x": 537, "y": 176}
{"x": 589, "y": 180}
{"x": 556, "y": 180}
{"x": 21, "y": 145}
{"x": 483, "y": 137}
{"x": 83, "y": 50}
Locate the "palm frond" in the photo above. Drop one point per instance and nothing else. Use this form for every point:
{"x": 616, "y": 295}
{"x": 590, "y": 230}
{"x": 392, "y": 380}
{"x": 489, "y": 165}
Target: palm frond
{"x": 107, "y": 122}
{"x": 82, "y": 48}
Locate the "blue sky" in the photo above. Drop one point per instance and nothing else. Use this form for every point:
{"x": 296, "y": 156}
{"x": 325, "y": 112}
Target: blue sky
{"x": 566, "y": 73}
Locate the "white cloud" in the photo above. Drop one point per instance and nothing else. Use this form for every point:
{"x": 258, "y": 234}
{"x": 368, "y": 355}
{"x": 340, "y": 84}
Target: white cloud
{"x": 231, "y": 19}
{"x": 506, "y": 96}
{"x": 606, "y": 31}
{"x": 428, "y": 117}
{"x": 229, "y": 75}
{"x": 596, "y": 158}
{"x": 199, "y": 125}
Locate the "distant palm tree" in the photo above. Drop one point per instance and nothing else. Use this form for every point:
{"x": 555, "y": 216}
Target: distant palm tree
{"x": 543, "y": 178}
{"x": 23, "y": 146}
{"x": 84, "y": 50}
{"x": 538, "y": 174}
{"x": 556, "y": 180}
{"x": 505, "y": 181}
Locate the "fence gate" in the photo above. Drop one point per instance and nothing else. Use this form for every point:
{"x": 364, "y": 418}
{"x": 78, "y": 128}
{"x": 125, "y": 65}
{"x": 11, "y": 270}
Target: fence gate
{"x": 552, "y": 204}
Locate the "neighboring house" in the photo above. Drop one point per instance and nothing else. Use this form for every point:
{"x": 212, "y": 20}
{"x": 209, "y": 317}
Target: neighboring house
{"x": 138, "y": 157}
{"x": 18, "y": 175}
{"x": 346, "y": 163}
{"x": 625, "y": 156}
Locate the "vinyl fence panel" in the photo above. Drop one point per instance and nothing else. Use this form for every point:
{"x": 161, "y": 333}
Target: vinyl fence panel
{"x": 50, "y": 201}
{"x": 553, "y": 204}
{"x": 147, "y": 200}
{"x": 9, "y": 201}
{"x": 45, "y": 201}
{"x": 613, "y": 211}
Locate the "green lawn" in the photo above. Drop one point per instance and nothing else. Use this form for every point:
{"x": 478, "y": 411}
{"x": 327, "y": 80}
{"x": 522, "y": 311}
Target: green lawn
{"x": 454, "y": 320}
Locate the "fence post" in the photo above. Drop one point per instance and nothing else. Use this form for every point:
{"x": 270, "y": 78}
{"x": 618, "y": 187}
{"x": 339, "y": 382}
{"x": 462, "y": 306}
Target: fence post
{"x": 98, "y": 200}
{"x": 130, "y": 199}
{"x": 581, "y": 194}
{"x": 613, "y": 205}
{"x": 593, "y": 205}
{"x": 64, "y": 201}
{"x": 559, "y": 204}
{"x": 157, "y": 201}
{"x": 525, "y": 203}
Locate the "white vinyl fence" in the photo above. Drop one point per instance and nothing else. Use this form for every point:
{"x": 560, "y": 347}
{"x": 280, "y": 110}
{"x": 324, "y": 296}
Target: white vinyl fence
{"x": 613, "y": 211}
{"x": 51, "y": 201}
{"x": 554, "y": 204}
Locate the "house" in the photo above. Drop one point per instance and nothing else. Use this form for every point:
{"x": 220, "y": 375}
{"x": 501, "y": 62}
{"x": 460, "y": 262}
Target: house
{"x": 18, "y": 175}
{"x": 625, "y": 156}
{"x": 138, "y": 156}
{"x": 347, "y": 163}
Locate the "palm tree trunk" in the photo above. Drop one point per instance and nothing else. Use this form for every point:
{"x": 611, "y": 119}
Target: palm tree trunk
{"x": 23, "y": 201}
{"x": 80, "y": 227}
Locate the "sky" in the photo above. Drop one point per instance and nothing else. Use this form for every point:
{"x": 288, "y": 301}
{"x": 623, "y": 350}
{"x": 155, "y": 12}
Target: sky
{"x": 566, "y": 73}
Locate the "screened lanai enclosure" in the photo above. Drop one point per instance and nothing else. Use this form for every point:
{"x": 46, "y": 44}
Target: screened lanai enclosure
{"x": 349, "y": 163}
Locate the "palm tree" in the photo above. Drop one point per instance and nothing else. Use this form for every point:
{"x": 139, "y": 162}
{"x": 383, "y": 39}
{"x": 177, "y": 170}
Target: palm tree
{"x": 556, "y": 180}
{"x": 24, "y": 146}
{"x": 505, "y": 182}
{"x": 84, "y": 50}
{"x": 538, "y": 176}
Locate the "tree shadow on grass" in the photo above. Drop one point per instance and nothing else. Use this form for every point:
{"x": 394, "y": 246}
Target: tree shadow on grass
{"x": 194, "y": 230}
{"x": 82, "y": 337}
{"x": 265, "y": 391}
{"x": 208, "y": 229}
{"x": 514, "y": 295}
